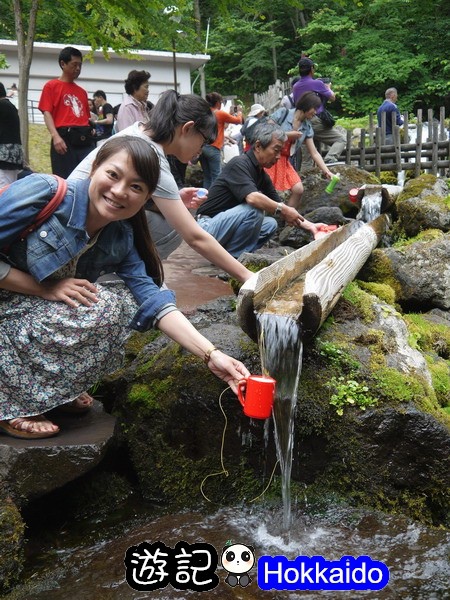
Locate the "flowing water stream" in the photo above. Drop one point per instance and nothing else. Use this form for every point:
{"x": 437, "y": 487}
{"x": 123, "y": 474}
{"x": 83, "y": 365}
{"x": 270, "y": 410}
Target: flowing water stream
{"x": 281, "y": 357}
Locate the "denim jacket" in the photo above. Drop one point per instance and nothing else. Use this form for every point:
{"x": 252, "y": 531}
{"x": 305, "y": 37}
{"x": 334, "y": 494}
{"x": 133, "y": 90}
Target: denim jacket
{"x": 285, "y": 118}
{"x": 63, "y": 236}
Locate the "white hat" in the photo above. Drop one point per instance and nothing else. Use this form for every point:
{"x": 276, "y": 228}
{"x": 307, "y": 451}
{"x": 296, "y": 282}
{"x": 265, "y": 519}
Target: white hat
{"x": 255, "y": 110}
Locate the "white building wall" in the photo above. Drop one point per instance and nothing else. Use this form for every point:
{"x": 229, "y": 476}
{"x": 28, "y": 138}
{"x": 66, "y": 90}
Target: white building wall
{"x": 101, "y": 73}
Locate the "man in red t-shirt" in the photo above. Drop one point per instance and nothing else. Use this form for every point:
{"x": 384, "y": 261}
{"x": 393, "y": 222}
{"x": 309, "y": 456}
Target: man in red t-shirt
{"x": 66, "y": 115}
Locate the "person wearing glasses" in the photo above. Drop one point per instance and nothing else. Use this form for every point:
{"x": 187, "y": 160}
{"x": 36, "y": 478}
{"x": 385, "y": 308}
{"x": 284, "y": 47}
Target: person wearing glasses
{"x": 179, "y": 125}
{"x": 65, "y": 107}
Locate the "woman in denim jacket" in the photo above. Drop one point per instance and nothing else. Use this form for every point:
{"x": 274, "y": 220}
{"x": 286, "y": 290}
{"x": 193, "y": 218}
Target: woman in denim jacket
{"x": 59, "y": 331}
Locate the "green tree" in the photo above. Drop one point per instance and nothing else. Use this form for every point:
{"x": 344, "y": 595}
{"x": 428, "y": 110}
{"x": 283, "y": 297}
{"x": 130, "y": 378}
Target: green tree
{"x": 374, "y": 45}
{"x": 120, "y": 25}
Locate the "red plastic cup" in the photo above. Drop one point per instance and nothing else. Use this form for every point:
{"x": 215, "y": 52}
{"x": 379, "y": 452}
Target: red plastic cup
{"x": 353, "y": 195}
{"x": 259, "y": 396}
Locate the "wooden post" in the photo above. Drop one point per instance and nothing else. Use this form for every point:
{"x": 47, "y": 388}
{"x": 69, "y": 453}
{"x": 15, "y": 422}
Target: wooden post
{"x": 362, "y": 149}
{"x": 434, "y": 149}
{"x": 397, "y": 146}
{"x": 442, "y": 131}
{"x": 418, "y": 145}
{"x": 430, "y": 125}
{"x": 348, "y": 151}
{"x": 378, "y": 135}
{"x": 383, "y": 128}
{"x": 405, "y": 128}
{"x": 371, "y": 129}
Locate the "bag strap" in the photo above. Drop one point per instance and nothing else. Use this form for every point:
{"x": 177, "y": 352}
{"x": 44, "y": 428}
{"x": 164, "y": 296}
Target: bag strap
{"x": 48, "y": 209}
{"x": 286, "y": 112}
{"x": 280, "y": 120}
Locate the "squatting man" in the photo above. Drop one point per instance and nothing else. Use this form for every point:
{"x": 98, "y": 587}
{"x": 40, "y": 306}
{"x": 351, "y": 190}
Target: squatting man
{"x": 243, "y": 194}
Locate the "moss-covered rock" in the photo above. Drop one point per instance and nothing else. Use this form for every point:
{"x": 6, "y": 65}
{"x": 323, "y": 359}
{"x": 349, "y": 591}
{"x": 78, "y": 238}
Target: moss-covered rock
{"x": 373, "y": 451}
{"x": 417, "y": 272}
{"x": 369, "y": 422}
{"x": 423, "y": 204}
{"x": 11, "y": 543}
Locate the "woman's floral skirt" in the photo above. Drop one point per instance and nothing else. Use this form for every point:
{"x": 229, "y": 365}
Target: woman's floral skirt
{"x": 50, "y": 353}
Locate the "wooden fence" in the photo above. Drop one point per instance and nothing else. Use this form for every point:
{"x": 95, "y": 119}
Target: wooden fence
{"x": 406, "y": 151}
{"x": 423, "y": 147}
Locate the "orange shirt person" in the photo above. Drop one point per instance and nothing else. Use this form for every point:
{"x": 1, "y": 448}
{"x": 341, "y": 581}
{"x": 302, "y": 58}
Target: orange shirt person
{"x": 210, "y": 158}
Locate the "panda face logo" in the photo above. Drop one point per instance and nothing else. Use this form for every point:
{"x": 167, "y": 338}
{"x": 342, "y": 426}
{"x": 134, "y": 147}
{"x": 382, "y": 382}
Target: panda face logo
{"x": 238, "y": 559}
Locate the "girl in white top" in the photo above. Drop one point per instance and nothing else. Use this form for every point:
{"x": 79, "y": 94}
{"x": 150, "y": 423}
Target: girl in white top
{"x": 179, "y": 125}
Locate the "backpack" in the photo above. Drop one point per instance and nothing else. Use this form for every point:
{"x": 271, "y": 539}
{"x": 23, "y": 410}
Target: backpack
{"x": 46, "y": 212}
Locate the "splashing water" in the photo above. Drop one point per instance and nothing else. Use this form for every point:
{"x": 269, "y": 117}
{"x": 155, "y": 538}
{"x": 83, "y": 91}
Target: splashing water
{"x": 370, "y": 207}
{"x": 281, "y": 357}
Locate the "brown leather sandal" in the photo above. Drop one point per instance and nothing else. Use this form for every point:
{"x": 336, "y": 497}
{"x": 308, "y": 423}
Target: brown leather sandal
{"x": 22, "y": 428}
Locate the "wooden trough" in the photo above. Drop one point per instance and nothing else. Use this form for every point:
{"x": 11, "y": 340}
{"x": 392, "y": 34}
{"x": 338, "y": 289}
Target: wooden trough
{"x": 306, "y": 284}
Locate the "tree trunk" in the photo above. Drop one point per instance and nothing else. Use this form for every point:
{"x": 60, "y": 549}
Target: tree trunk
{"x": 198, "y": 28}
{"x": 274, "y": 57}
{"x": 25, "y": 40}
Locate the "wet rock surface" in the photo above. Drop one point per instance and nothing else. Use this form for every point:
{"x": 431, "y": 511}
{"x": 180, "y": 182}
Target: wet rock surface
{"x": 47, "y": 464}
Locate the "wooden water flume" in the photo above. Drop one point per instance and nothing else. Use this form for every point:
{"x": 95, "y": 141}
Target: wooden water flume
{"x": 307, "y": 283}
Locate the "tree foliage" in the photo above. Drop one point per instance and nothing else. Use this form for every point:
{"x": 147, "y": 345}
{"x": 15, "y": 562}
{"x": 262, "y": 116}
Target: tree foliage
{"x": 376, "y": 44}
{"x": 365, "y": 46}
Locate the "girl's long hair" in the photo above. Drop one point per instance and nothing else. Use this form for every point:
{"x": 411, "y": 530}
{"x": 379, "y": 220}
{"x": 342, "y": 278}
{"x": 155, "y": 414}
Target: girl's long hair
{"x": 174, "y": 109}
{"x": 146, "y": 164}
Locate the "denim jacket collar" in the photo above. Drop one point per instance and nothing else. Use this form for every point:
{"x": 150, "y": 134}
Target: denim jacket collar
{"x": 78, "y": 215}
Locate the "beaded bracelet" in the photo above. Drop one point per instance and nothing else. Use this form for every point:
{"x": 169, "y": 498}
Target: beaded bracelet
{"x": 207, "y": 356}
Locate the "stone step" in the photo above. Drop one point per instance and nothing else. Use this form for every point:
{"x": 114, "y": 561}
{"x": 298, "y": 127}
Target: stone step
{"x": 32, "y": 468}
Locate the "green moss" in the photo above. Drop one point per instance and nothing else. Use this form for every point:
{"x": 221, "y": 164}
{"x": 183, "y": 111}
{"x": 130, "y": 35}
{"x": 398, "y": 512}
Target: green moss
{"x": 12, "y": 530}
{"x": 150, "y": 395}
{"x": 378, "y": 269}
{"x": 383, "y": 291}
{"x": 171, "y": 353}
{"x": 388, "y": 177}
{"x": 429, "y": 336}
{"x": 427, "y": 235}
{"x": 337, "y": 356}
{"x": 137, "y": 341}
{"x": 185, "y": 482}
{"x": 360, "y": 299}
{"x": 440, "y": 375}
{"x": 401, "y": 387}
{"x": 416, "y": 506}
{"x": 416, "y": 186}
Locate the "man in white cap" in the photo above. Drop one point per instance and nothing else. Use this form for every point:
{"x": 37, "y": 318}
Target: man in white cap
{"x": 257, "y": 112}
